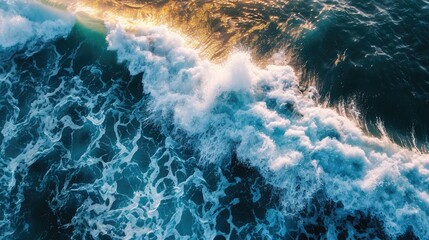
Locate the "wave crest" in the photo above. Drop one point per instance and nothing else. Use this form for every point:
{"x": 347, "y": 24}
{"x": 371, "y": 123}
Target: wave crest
{"x": 261, "y": 115}
{"x": 24, "y": 22}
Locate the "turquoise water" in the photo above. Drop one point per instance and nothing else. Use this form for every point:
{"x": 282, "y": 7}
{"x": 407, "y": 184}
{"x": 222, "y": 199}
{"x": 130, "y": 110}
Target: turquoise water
{"x": 116, "y": 133}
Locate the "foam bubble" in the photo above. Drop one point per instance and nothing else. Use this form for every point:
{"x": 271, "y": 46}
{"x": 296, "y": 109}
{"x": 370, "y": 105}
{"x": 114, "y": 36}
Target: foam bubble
{"x": 262, "y": 116}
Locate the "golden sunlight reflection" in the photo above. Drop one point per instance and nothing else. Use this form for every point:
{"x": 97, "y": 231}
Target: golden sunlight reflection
{"x": 213, "y": 27}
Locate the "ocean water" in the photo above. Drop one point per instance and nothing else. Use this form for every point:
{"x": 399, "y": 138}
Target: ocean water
{"x": 214, "y": 119}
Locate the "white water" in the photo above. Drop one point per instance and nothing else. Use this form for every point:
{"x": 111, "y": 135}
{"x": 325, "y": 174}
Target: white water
{"x": 258, "y": 113}
{"x": 261, "y": 114}
{"x": 23, "y": 21}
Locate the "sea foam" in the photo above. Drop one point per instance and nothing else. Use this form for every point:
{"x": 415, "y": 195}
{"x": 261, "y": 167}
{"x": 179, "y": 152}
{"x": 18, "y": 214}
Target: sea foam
{"x": 262, "y": 116}
{"x": 23, "y": 21}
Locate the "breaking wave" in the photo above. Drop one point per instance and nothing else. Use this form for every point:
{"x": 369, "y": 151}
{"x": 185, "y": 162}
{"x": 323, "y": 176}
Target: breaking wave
{"x": 28, "y": 21}
{"x": 262, "y": 116}
{"x": 133, "y": 135}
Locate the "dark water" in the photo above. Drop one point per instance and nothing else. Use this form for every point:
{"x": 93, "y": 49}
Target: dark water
{"x": 385, "y": 70}
{"x": 108, "y": 138}
{"x": 57, "y": 186}
{"x": 372, "y": 54}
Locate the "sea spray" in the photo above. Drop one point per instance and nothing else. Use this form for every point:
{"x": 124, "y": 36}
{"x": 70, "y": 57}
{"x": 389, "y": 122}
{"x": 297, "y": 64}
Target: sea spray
{"x": 262, "y": 116}
{"x": 184, "y": 147}
{"x": 20, "y": 24}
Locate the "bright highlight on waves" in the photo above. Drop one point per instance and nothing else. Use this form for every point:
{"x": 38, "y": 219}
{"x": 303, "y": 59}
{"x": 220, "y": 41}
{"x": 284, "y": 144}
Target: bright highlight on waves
{"x": 262, "y": 116}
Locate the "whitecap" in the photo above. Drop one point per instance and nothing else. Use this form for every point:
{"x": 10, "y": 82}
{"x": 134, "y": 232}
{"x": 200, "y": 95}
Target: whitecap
{"x": 261, "y": 115}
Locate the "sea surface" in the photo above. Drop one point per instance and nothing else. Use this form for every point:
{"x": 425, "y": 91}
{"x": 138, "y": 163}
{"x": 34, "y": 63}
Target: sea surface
{"x": 234, "y": 119}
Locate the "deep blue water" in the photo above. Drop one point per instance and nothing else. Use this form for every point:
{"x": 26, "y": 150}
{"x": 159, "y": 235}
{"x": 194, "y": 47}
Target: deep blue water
{"x": 119, "y": 132}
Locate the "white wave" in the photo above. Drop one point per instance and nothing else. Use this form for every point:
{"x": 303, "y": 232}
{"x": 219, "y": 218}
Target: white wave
{"x": 260, "y": 113}
{"x": 23, "y": 21}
